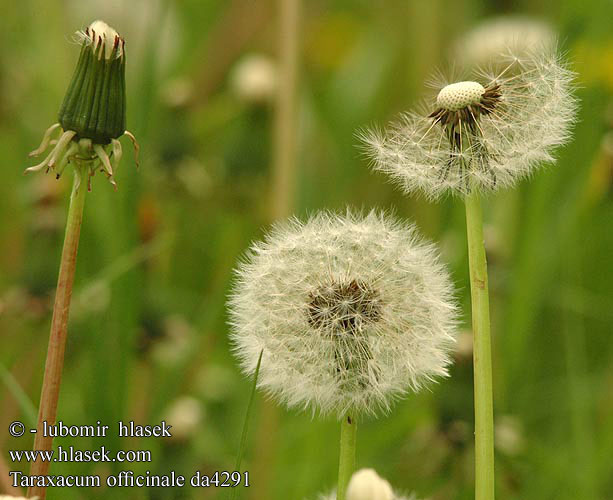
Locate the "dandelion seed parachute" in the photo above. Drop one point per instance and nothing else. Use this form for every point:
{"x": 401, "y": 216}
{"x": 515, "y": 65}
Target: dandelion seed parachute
{"x": 350, "y": 311}
{"x": 485, "y": 133}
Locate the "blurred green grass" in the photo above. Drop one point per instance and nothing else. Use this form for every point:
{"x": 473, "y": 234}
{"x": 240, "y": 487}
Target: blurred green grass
{"x": 148, "y": 319}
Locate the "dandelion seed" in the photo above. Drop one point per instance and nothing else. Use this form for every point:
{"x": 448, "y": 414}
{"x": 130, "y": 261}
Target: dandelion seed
{"x": 350, "y": 311}
{"x": 485, "y": 133}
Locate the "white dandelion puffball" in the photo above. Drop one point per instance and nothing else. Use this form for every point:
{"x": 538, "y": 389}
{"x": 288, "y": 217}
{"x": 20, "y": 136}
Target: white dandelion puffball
{"x": 366, "y": 484}
{"x": 349, "y": 311}
{"x": 483, "y": 133}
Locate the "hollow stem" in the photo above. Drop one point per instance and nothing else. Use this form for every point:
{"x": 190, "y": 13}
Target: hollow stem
{"x": 482, "y": 357}
{"x": 346, "y": 464}
{"x": 59, "y": 325}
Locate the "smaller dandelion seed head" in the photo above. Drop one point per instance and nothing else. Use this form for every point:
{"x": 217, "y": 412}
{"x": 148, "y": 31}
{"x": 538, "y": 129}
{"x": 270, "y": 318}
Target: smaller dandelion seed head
{"x": 484, "y": 133}
{"x": 456, "y": 96}
{"x": 350, "y": 312}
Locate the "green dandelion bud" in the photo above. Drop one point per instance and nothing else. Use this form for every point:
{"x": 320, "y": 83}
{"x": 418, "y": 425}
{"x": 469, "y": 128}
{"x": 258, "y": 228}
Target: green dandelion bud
{"x": 93, "y": 114}
{"x": 95, "y": 102}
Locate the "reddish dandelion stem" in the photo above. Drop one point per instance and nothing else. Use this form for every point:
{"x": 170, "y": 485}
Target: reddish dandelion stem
{"x": 59, "y": 328}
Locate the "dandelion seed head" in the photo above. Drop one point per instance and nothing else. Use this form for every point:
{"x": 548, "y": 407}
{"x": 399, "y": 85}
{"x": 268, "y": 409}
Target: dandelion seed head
{"x": 351, "y": 311}
{"x": 456, "y": 96}
{"x": 483, "y": 134}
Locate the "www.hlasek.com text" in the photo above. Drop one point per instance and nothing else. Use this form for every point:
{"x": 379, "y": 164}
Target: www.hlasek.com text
{"x": 71, "y": 454}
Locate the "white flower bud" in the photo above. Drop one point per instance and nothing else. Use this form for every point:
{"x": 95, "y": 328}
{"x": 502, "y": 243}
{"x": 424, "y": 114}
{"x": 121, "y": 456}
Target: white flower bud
{"x": 366, "y": 484}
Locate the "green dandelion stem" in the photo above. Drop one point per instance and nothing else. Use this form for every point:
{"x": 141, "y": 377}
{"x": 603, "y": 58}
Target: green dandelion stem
{"x": 482, "y": 356}
{"x": 59, "y": 327}
{"x": 346, "y": 464}
{"x": 243, "y": 442}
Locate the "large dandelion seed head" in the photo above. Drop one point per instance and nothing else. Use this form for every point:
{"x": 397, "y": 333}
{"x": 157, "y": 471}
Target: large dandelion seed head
{"x": 485, "y": 133}
{"x": 350, "y": 312}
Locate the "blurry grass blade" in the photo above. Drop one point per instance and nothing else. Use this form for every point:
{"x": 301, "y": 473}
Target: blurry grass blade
{"x": 243, "y": 442}
{"x": 26, "y": 406}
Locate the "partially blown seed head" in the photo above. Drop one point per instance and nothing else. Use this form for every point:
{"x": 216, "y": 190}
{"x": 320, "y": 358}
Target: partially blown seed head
{"x": 481, "y": 134}
{"x": 350, "y": 312}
